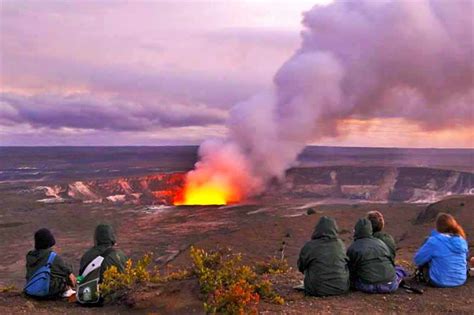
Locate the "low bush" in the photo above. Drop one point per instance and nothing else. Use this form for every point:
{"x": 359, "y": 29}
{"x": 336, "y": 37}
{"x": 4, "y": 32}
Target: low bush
{"x": 8, "y": 288}
{"x": 115, "y": 284}
{"x": 230, "y": 286}
{"x": 272, "y": 266}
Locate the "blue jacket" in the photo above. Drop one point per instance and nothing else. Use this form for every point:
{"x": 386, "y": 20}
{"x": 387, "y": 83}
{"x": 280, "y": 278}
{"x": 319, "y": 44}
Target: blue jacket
{"x": 447, "y": 259}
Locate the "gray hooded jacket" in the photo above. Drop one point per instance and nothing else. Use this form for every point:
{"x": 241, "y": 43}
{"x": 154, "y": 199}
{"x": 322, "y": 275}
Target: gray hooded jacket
{"x": 323, "y": 261}
{"x": 104, "y": 238}
{"x": 370, "y": 259}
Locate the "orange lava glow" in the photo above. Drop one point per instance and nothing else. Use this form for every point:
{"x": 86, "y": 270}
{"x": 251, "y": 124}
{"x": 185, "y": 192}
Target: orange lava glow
{"x": 207, "y": 194}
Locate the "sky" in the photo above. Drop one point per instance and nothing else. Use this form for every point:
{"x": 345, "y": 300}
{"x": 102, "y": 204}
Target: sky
{"x": 158, "y": 73}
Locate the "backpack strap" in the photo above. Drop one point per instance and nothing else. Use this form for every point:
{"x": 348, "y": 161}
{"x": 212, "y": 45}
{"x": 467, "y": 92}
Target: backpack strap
{"x": 96, "y": 262}
{"x": 51, "y": 257}
{"x": 93, "y": 265}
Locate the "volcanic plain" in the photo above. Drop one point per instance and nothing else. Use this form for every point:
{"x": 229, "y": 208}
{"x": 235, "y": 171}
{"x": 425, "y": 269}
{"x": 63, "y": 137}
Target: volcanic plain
{"x": 408, "y": 186}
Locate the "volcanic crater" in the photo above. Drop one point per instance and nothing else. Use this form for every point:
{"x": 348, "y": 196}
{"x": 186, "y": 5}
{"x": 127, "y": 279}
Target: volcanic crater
{"x": 328, "y": 183}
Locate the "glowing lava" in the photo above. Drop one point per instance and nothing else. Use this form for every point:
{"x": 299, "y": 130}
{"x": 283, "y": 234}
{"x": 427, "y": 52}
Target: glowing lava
{"x": 203, "y": 195}
{"x": 207, "y": 191}
{"x": 221, "y": 176}
{"x": 207, "y": 194}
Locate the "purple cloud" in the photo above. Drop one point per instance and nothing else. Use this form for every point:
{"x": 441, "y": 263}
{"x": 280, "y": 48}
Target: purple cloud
{"x": 89, "y": 112}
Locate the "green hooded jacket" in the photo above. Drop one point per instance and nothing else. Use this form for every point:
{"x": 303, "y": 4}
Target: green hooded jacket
{"x": 104, "y": 238}
{"x": 370, "y": 259}
{"x": 389, "y": 241}
{"x": 324, "y": 262}
{"x": 60, "y": 271}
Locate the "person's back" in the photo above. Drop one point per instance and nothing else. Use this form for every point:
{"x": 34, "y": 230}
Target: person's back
{"x": 445, "y": 253}
{"x": 104, "y": 241}
{"x": 61, "y": 277}
{"x": 378, "y": 224}
{"x": 324, "y": 262}
{"x": 388, "y": 241}
{"x": 370, "y": 260}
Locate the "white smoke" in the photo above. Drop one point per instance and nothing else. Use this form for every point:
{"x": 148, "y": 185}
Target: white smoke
{"x": 359, "y": 59}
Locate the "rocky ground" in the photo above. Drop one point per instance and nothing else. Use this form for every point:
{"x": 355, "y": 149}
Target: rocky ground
{"x": 257, "y": 231}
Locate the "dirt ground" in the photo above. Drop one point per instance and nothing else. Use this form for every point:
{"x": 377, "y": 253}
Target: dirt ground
{"x": 257, "y": 231}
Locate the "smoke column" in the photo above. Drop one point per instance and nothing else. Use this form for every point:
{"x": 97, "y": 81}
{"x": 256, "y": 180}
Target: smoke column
{"x": 359, "y": 59}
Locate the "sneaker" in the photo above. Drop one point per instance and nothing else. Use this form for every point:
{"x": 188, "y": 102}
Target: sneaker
{"x": 299, "y": 287}
{"x": 68, "y": 293}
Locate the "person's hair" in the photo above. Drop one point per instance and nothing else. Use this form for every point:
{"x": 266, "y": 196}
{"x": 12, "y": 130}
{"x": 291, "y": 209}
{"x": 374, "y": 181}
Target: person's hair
{"x": 376, "y": 218}
{"x": 446, "y": 223}
{"x": 44, "y": 239}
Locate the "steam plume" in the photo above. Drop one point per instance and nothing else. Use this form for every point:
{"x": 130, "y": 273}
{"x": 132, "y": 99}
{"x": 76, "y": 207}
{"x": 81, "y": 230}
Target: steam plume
{"x": 358, "y": 59}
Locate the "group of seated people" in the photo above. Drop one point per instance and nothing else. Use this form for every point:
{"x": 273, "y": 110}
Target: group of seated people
{"x": 62, "y": 279}
{"x": 369, "y": 266}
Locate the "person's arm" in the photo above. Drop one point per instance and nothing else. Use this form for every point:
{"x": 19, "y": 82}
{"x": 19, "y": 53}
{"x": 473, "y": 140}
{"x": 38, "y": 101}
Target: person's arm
{"x": 82, "y": 264}
{"x": 62, "y": 266}
{"x": 27, "y": 273}
{"x": 424, "y": 254}
{"x": 72, "y": 280}
{"x": 351, "y": 263}
{"x": 392, "y": 246}
{"x": 467, "y": 256}
{"x": 64, "y": 270}
{"x": 303, "y": 259}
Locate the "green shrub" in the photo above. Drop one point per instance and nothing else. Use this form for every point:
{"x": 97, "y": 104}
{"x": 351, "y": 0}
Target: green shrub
{"x": 272, "y": 266}
{"x": 116, "y": 284}
{"x": 8, "y": 288}
{"x": 230, "y": 286}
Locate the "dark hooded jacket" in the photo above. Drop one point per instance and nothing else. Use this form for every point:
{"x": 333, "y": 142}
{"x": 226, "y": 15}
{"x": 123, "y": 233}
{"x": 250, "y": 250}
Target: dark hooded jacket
{"x": 370, "y": 259}
{"x": 324, "y": 262}
{"x": 104, "y": 239}
{"x": 389, "y": 241}
{"x": 60, "y": 271}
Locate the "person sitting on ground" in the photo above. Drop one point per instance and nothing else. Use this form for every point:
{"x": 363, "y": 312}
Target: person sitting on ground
{"x": 378, "y": 223}
{"x": 104, "y": 245}
{"x": 62, "y": 278}
{"x": 323, "y": 261}
{"x": 371, "y": 264}
{"x": 95, "y": 262}
{"x": 443, "y": 257}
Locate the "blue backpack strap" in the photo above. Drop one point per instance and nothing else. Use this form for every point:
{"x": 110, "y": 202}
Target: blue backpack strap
{"x": 52, "y": 255}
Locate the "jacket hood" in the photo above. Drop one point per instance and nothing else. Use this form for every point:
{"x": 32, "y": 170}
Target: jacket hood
{"x": 455, "y": 243}
{"x": 326, "y": 227}
{"x": 363, "y": 228}
{"x": 34, "y": 257}
{"x": 104, "y": 235}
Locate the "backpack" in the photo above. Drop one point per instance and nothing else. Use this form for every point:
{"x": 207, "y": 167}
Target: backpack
{"x": 88, "y": 290}
{"x": 38, "y": 285}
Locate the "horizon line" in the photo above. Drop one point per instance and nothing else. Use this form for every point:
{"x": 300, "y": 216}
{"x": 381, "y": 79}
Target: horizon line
{"x": 197, "y": 145}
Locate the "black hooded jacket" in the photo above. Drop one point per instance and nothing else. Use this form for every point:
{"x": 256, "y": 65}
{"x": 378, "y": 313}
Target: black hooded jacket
{"x": 370, "y": 260}
{"x": 104, "y": 238}
{"x": 324, "y": 262}
{"x": 60, "y": 271}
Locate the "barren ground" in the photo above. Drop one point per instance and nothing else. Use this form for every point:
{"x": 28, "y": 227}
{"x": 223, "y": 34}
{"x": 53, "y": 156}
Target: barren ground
{"x": 258, "y": 231}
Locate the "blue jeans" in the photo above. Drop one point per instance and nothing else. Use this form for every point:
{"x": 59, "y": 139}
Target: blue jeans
{"x": 389, "y": 287}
